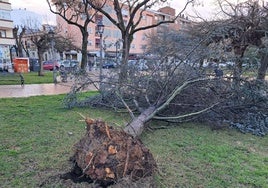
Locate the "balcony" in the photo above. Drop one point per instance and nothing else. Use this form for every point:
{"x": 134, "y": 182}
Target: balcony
{"x": 7, "y": 41}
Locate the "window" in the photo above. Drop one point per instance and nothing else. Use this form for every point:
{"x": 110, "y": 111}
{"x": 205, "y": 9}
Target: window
{"x": 89, "y": 30}
{"x": 116, "y": 34}
{"x": 3, "y": 33}
{"x": 125, "y": 22}
{"x": 98, "y": 18}
{"x": 5, "y": 15}
{"x": 83, "y": 16}
{"x": 124, "y": 13}
{"x": 143, "y": 47}
{"x": 107, "y": 32}
{"x": 97, "y": 43}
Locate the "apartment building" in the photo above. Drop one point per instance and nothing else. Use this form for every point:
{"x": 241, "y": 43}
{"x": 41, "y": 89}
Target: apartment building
{"x": 112, "y": 36}
{"x": 7, "y": 40}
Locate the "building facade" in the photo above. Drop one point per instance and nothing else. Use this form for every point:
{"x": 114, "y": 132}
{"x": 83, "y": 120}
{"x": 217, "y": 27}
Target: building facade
{"x": 112, "y": 36}
{"x": 7, "y": 40}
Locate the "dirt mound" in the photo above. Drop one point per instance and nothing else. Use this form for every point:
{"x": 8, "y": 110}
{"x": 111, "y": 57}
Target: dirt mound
{"x": 108, "y": 155}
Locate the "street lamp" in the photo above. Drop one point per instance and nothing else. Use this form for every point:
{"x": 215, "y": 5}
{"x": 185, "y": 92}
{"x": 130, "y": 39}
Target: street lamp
{"x": 51, "y": 36}
{"x": 117, "y": 50}
{"x": 100, "y": 30}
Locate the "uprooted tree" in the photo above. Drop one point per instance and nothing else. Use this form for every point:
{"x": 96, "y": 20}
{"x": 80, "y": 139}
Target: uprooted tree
{"x": 159, "y": 91}
{"x": 172, "y": 89}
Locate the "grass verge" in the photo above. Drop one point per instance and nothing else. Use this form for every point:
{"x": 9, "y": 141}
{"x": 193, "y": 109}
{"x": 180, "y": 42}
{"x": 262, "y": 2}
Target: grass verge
{"x": 33, "y": 78}
{"x": 29, "y": 78}
{"x": 37, "y": 135}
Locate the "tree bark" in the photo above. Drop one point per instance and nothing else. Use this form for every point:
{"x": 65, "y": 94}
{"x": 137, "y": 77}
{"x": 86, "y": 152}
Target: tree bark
{"x": 84, "y": 48}
{"x": 264, "y": 66}
{"x": 40, "y": 59}
{"x": 125, "y": 55}
{"x": 136, "y": 127}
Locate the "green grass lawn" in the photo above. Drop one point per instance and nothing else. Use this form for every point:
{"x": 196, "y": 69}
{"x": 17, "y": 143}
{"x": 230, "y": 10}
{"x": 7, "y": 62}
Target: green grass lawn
{"x": 29, "y": 78}
{"x": 37, "y": 135}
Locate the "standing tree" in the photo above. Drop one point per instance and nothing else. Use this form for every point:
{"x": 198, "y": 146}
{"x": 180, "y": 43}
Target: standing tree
{"x": 42, "y": 42}
{"x": 264, "y": 48}
{"x": 77, "y": 13}
{"x": 132, "y": 25}
{"x": 18, "y": 34}
{"x": 243, "y": 26}
{"x": 64, "y": 43}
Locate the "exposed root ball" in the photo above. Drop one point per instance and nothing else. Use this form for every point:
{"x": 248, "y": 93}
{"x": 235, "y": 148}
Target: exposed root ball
{"x": 107, "y": 155}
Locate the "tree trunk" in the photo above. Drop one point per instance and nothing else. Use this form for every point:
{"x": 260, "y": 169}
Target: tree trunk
{"x": 20, "y": 53}
{"x": 41, "y": 71}
{"x": 264, "y": 66}
{"x": 84, "y": 49}
{"x": 125, "y": 55}
{"x": 239, "y": 53}
{"x": 135, "y": 128}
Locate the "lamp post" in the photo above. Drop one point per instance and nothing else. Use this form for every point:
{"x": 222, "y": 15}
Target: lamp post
{"x": 117, "y": 50}
{"x": 100, "y": 30}
{"x": 51, "y": 36}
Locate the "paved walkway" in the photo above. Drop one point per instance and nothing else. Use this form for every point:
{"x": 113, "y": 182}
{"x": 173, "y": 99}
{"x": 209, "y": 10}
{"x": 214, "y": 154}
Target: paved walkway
{"x": 8, "y": 91}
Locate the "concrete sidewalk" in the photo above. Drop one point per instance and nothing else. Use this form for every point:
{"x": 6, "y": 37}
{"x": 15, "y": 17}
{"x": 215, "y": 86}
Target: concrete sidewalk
{"x": 9, "y": 91}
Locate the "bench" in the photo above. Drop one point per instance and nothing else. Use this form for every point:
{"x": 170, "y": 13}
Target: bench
{"x": 9, "y": 78}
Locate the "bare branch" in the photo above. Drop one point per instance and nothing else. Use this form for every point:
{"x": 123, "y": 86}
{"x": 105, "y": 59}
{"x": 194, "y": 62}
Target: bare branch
{"x": 127, "y": 107}
{"x": 175, "y": 92}
{"x": 186, "y": 115}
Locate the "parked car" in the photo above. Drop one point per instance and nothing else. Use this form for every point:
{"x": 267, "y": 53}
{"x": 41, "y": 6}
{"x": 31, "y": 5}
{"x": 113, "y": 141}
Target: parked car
{"x": 69, "y": 64}
{"x": 140, "y": 65}
{"x": 108, "y": 65}
{"x": 49, "y": 65}
{"x": 5, "y": 65}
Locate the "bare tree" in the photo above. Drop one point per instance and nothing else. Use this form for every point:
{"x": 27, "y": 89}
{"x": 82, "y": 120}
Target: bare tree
{"x": 77, "y": 13}
{"x": 263, "y": 50}
{"x": 264, "y": 47}
{"x": 42, "y": 42}
{"x": 64, "y": 43}
{"x": 18, "y": 33}
{"x": 135, "y": 11}
{"x": 243, "y": 25}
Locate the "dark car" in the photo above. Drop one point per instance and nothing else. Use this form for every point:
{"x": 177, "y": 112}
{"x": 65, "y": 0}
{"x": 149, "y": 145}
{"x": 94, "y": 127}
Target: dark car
{"x": 108, "y": 65}
{"x": 49, "y": 65}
